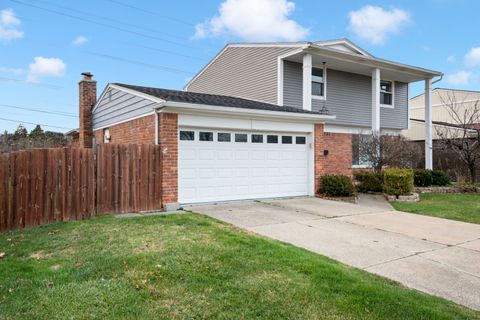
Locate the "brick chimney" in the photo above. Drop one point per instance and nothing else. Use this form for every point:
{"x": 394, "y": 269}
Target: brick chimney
{"x": 87, "y": 99}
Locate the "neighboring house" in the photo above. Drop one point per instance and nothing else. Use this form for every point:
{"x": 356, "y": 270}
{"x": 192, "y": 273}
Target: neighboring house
{"x": 442, "y": 118}
{"x": 259, "y": 121}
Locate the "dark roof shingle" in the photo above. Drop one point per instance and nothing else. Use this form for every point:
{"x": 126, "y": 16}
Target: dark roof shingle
{"x": 212, "y": 99}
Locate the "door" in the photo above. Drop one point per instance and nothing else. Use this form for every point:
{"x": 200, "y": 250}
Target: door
{"x": 233, "y": 165}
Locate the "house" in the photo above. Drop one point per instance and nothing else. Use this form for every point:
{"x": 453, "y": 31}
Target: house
{"x": 447, "y": 123}
{"x": 261, "y": 120}
{"x": 443, "y": 100}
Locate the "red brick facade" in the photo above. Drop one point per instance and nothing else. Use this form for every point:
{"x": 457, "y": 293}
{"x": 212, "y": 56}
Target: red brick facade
{"x": 142, "y": 130}
{"x": 137, "y": 131}
{"x": 339, "y": 158}
{"x": 168, "y": 140}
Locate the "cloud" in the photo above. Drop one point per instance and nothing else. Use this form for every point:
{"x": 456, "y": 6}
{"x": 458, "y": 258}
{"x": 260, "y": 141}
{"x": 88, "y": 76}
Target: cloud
{"x": 42, "y": 67}
{"x": 472, "y": 58}
{"x": 460, "y": 78}
{"x": 9, "y": 24}
{"x": 451, "y": 59}
{"x": 253, "y": 20}
{"x": 14, "y": 71}
{"x": 80, "y": 40}
{"x": 375, "y": 24}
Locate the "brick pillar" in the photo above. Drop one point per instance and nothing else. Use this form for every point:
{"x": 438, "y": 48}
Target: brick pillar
{"x": 87, "y": 99}
{"x": 168, "y": 140}
{"x": 339, "y": 158}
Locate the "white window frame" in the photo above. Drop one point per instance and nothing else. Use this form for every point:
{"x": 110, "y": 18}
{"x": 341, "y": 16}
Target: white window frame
{"x": 106, "y": 135}
{"x": 324, "y": 81}
{"x": 392, "y": 93}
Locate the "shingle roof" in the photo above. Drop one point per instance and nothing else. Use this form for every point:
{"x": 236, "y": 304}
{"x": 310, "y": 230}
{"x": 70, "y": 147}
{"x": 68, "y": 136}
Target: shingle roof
{"x": 211, "y": 99}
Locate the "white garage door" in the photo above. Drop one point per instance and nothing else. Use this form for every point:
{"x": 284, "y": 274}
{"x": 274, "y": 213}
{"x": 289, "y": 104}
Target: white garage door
{"x": 234, "y": 165}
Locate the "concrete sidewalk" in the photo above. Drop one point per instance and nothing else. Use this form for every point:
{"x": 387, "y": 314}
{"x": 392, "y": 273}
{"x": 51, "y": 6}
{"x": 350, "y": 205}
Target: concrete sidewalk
{"x": 437, "y": 256}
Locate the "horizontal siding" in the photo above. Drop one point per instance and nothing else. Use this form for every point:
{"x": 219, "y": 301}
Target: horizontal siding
{"x": 117, "y": 106}
{"x": 292, "y": 84}
{"x": 396, "y": 118}
{"x": 245, "y": 72}
{"x": 349, "y": 97}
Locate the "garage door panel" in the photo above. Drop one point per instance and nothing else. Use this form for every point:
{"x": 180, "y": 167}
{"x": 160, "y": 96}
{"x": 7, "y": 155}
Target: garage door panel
{"x": 217, "y": 171}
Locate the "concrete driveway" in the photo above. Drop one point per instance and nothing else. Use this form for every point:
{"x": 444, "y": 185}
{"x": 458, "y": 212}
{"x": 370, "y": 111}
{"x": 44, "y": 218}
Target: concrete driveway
{"x": 437, "y": 256}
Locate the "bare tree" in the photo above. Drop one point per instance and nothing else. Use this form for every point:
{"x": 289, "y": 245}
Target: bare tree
{"x": 387, "y": 150}
{"x": 462, "y": 135}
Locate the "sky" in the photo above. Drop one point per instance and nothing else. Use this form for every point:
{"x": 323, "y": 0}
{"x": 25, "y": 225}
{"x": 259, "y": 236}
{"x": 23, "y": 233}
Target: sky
{"x": 46, "y": 44}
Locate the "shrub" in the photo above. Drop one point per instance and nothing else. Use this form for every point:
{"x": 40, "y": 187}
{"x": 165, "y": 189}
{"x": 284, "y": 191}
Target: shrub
{"x": 422, "y": 177}
{"x": 336, "y": 186}
{"x": 440, "y": 178}
{"x": 398, "y": 181}
{"x": 369, "y": 181}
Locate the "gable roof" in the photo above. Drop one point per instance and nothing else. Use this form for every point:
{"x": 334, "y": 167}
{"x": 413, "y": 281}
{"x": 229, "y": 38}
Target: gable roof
{"x": 345, "y": 45}
{"x": 211, "y": 99}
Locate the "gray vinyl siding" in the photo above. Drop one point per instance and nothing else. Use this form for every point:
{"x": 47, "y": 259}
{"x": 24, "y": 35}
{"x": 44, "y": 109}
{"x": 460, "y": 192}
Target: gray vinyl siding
{"x": 244, "y": 72}
{"x": 349, "y": 97}
{"x": 292, "y": 84}
{"x": 396, "y": 118}
{"x": 117, "y": 106}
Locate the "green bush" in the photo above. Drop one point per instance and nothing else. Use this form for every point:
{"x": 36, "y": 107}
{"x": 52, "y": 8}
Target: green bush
{"x": 369, "y": 181}
{"x": 398, "y": 181}
{"x": 440, "y": 178}
{"x": 336, "y": 186}
{"x": 422, "y": 177}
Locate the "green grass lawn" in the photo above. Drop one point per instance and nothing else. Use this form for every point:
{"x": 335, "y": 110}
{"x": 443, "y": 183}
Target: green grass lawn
{"x": 188, "y": 266}
{"x": 455, "y": 206}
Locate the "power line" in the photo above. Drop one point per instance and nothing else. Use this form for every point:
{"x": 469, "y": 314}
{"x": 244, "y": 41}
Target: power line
{"x": 41, "y": 124}
{"x": 65, "y": 114}
{"x": 91, "y": 14}
{"x": 127, "y": 5}
{"x": 46, "y": 85}
{"x": 100, "y": 23}
{"x": 139, "y": 63}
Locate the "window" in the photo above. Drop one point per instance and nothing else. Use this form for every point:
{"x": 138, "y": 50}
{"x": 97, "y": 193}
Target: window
{"x": 206, "y": 136}
{"x": 223, "y": 137}
{"x": 359, "y": 154}
{"x": 257, "y": 138}
{"x": 287, "y": 139}
{"x": 272, "y": 139}
{"x": 300, "y": 140}
{"x": 241, "y": 137}
{"x": 318, "y": 85}
{"x": 106, "y": 135}
{"x": 386, "y": 93}
{"x": 187, "y": 135}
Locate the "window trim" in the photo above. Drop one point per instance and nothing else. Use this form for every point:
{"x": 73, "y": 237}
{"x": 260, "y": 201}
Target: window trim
{"x": 324, "y": 82}
{"x": 388, "y": 106}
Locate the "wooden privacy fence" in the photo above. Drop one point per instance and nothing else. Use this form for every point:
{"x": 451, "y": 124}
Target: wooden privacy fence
{"x": 50, "y": 185}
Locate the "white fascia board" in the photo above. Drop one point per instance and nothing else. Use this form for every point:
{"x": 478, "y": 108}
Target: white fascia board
{"x": 374, "y": 62}
{"x": 181, "y": 107}
{"x": 345, "y": 42}
{"x": 131, "y": 91}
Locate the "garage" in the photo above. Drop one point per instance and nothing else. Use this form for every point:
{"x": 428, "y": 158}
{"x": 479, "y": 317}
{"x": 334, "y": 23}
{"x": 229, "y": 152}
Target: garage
{"x": 220, "y": 165}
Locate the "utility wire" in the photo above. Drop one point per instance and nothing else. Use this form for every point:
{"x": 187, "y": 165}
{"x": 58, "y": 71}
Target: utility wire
{"x": 127, "y": 5}
{"x": 44, "y": 125}
{"x": 46, "y": 85}
{"x": 65, "y": 114}
{"x": 91, "y": 14}
{"x": 100, "y": 23}
{"x": 139, "y": 63}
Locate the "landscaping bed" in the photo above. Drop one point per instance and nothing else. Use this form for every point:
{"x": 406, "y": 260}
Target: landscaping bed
{"x": 188, "y": 266}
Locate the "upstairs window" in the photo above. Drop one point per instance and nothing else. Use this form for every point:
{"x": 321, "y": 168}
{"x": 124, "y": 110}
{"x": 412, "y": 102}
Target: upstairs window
{"x": 318, "y": 84}
{"x": 386, "y": 93}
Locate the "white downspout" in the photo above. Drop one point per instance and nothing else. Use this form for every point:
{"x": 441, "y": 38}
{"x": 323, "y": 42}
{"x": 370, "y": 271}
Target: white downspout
{"x": 155, "y": 113}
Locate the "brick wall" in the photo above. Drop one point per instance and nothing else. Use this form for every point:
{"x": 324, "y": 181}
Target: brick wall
{"x": 168, "y": 139}
{"x": 339, "y": 158}
{"x": 87, "y": 98}
{"x": 137, "y": 131}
